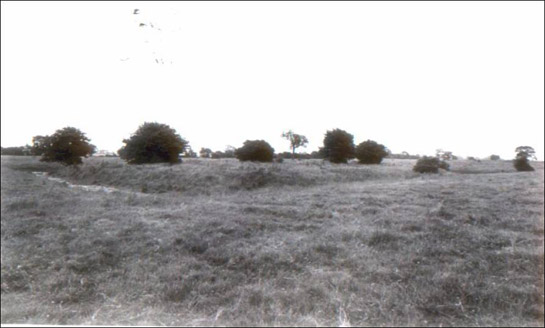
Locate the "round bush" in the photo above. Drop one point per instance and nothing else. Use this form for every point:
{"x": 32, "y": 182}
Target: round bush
{"x": 338, "y": 146}
{"x": 153, "y": 143}
{"x": 370, "y": 152}
{"x": 430, "y": 165}
{"x": 66, "y": 146}
{"x": 255, "y": 150}
{"x": 522, "y": 164}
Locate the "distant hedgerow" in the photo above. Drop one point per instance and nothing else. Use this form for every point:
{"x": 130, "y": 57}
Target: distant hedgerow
{"x": 17, "y": 151}
{"x": 255, "y": 150}
{"x": 430, "y": 165}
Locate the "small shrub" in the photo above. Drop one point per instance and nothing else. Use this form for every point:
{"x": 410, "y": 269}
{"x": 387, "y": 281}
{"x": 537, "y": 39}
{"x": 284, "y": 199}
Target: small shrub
{"x": 370, "y": 152}
{"x": 255, "y": 150}
{"x": 430, "y": 165}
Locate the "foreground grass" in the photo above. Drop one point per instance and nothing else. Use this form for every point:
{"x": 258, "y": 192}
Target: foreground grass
{"x": 298, "y": 243}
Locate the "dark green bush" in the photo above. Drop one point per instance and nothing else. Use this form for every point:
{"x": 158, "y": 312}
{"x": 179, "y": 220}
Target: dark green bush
{"x": 66, "y": 146}
{"x": 430, "y": 165}
{"x": 255, "y": 150}
{"x": 522, "y": 164}
{"x": 153, "y": 143}
{"x": 338, "y": 146}
{"x": 370, "y": 152}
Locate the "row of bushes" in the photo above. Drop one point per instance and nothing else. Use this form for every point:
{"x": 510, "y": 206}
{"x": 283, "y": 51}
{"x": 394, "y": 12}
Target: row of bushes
{"x": 157, "y": 143}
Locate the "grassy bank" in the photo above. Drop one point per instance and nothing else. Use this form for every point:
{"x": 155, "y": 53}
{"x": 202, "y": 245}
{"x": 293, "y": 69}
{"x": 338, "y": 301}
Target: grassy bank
{"x": 206, "y": 176}
{"x": 216, "y": 242}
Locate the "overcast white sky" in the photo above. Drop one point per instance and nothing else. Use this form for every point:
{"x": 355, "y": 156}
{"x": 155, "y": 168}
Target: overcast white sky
{"x": 415, "y": 76}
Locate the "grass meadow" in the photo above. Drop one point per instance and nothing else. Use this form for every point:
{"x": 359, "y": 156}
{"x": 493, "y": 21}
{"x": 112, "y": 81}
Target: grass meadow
{"x": 300, "y": 243}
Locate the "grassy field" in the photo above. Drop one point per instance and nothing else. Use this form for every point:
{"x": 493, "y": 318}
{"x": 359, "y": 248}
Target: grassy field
{"x": 218, "y": 242}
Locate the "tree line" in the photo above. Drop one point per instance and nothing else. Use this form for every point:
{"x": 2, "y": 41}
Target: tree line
{"x": 159, "y": 143}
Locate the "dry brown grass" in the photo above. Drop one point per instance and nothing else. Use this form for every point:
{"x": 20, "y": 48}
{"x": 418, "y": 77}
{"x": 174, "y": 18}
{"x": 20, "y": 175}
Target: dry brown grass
{"x": 217, "y": 242}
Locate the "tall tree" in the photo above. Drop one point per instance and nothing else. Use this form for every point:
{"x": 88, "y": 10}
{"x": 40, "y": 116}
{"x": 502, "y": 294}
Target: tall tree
{"x": 296, "y": 140}
{"x": 526, "y": 152}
